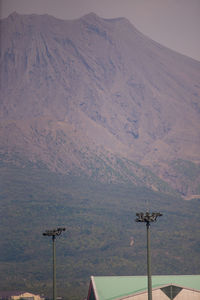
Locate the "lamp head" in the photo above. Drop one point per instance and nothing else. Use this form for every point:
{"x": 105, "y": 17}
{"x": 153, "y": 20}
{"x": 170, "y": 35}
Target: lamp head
{"x": 147, "y": 217}
{"x": 54, "y": 232}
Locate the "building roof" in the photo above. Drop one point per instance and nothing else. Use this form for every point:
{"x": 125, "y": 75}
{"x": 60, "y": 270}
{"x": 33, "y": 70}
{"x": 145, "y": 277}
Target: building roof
{"x": 113, "y": 287}
{"x": 10, "y": 293}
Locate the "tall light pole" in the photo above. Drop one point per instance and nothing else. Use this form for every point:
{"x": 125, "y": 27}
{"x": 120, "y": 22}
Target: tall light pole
{"x": 53, "y": 233}
{"x": 148, "y": 218}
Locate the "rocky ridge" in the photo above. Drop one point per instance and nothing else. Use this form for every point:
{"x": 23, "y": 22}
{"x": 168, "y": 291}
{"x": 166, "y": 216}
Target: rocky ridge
{"x": 96, "y": 97}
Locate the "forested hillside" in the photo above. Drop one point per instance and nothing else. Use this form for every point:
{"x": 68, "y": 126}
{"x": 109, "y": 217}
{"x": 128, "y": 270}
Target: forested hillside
{"x": 100, "y": 223}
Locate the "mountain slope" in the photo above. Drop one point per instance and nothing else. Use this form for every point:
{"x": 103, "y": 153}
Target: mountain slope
{"x": 83, "y": 95}
{"x": 97, "y": 122}
{"x": 99, "y": 220}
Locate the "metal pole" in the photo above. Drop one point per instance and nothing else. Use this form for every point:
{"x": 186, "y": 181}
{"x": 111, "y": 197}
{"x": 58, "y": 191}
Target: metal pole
{"x": 149, "y": 263}
{"x": 54, "y": 267}
{"x": 54, "y": 233}
{"x": 147, "y": 218}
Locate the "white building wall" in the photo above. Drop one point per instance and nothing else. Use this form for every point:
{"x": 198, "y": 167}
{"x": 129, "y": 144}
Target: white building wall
{"x": 159, "y": 295}
{"x": 156, "y": 294}
{"x": 188, "y": 295}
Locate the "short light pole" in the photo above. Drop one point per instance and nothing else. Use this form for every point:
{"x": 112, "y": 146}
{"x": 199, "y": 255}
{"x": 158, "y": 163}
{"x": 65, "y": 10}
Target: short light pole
{"x": 53, "y": 233}
{"x": 148, "y": 218}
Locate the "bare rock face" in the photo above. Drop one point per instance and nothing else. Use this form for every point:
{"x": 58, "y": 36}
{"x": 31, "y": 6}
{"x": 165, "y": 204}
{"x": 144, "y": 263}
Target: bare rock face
{"x": 95, "y": 96}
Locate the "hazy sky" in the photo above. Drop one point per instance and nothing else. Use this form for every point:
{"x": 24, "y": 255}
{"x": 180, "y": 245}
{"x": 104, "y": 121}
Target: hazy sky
{"x": 173, "y": 23}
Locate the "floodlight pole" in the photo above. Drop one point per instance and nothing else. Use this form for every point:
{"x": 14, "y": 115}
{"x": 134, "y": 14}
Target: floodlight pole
{"x": 147, "y": 218}
{"x": 53, "y": 233}
{"x": 54, "y": 267}
{"x": 149, "y": 262}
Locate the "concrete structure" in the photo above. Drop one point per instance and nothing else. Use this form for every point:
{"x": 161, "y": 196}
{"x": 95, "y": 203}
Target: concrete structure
{"x": 174, "y": 287}
{"x": 19, "y": 295}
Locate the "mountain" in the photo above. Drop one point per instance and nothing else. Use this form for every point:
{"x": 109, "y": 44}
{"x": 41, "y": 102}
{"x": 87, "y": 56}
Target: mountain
{"x": 95, "y": 97}
{"x": 97, "y": 122}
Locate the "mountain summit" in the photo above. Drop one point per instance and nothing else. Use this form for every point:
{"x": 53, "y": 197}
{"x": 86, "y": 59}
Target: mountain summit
{"x": 96, "y": 97}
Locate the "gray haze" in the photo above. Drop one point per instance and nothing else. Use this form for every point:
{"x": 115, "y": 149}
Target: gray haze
{"x": 173, "y": 23}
